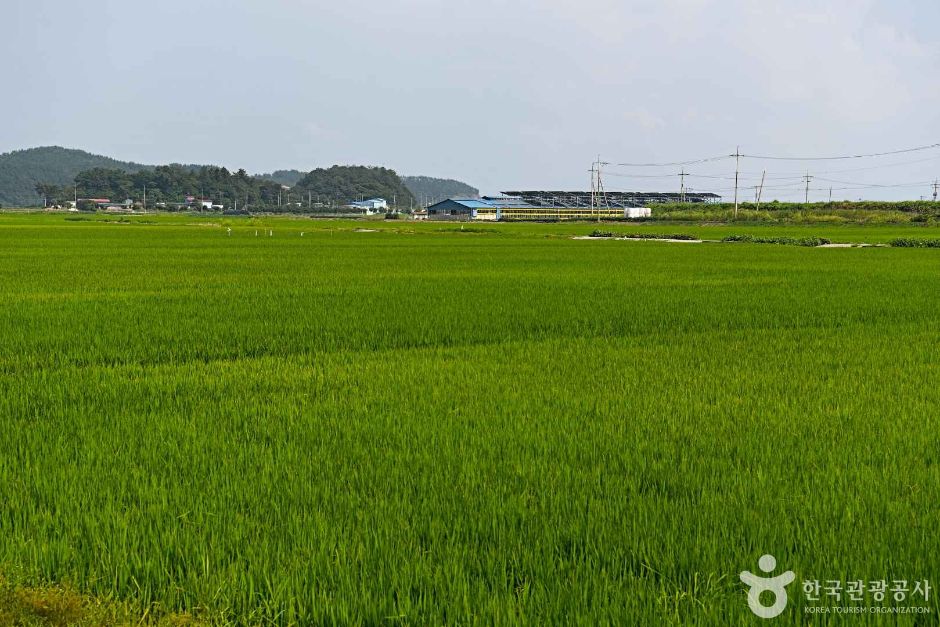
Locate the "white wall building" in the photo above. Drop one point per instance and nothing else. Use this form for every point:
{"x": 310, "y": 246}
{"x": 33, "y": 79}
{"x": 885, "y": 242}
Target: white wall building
{"x": 373, "y": 205}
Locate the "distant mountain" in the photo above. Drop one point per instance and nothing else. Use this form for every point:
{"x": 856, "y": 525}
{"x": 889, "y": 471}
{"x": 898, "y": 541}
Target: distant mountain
{"x": 20, "y": 170}
{"x": 284, "y": 177}
{"x": 429, "y": 188}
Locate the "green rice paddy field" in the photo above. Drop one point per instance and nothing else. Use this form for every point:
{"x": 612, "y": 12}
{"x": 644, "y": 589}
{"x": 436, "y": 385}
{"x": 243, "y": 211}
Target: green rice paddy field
{"x": 500, "y": 425}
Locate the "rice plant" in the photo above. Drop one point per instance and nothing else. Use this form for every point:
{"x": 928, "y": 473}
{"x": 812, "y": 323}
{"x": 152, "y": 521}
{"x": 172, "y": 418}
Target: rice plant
{"x": 424, "y": 426}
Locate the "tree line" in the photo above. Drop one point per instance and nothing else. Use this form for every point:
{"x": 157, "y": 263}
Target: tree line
{"x": 181, "y": 187}
{"x": 169, "y": 186}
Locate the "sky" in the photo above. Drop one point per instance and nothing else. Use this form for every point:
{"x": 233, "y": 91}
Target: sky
{"x": 504, "y": 95}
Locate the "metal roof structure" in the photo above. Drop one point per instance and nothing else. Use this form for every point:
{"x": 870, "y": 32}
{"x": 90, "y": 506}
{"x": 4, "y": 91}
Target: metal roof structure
{"x": 549, "y": 198}
{"x": 366, "y": 203}
{"x": 508, "y": 202}
{"x": 472, "y": 203}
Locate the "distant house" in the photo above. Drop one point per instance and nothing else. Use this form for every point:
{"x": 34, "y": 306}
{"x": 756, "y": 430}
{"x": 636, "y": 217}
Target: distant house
{"x": 200, "y": 203}
{"x": 115, "y": 207}
{"x": 103, "y": 203}
{"x": 371, "y": 206}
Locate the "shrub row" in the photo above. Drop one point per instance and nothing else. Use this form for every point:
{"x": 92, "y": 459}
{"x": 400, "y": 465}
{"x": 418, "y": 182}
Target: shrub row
{"x": 787, "y": 241}
{"x": 910, "y": 242}
{"x": 682, "y": 236}
{"x": 926, "y": 207}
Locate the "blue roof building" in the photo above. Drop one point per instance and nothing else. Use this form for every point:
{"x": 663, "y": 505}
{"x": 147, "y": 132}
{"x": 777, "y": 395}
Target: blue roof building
{"x": 464, "y": 209}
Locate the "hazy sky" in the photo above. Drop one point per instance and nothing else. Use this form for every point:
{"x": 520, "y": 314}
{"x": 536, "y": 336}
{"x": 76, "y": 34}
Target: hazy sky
{"x": 503, "y": 95}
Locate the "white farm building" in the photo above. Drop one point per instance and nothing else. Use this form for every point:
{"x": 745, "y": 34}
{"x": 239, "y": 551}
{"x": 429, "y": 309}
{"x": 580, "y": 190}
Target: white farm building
{"x": 373, "y": 205}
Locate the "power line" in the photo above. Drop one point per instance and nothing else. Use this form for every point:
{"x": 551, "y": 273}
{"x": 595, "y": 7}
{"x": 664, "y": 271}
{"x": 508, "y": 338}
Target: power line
{"x": 867, "y": 167}
{"x": 643, "y": 176}
{"x": 673, "y": 163}
{"x": 744, "y": 175}
{"x": 874, "y": 185}
{"x": 777, "y": 157}
{"x": 787, "y": 158}
{"x": 860, "y": 156}
{"x": 898, "y": 186}
{"x": 779, "y": 176}
{"x": 785, "y": 185}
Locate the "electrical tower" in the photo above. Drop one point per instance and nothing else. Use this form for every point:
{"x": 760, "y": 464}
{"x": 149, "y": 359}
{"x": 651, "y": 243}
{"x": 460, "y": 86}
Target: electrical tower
{"x": 936, "y": 186}
{"x": 602, "y": 197}
{"x": 593, "y": 187}
{"x": 597, "y": 188}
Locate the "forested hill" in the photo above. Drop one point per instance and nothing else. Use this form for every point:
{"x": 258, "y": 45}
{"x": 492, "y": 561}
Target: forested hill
{"x": 421, "y": 187}
{"x": 20, "y": 170}
{"x": 284, "y": 177}
{"x": 56, "y": 169}
{"x": 433, "y": 189}
{"x": 354, "y": 182}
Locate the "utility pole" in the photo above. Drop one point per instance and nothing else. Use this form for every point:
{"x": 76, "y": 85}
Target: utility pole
{"x": 936, "y": 186}
{"x": 737, "y": 164}
{"x": 682, "y": 176}
{"x": 145, "y": 196}
{"x": 593, "y": 186}
{"x": 760, "y": 190}
{"x": 807, "y": 178}
{"x": 600, "y": 188}
{"x": 830, "y": 194}
{"x": 602, "y": 195}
